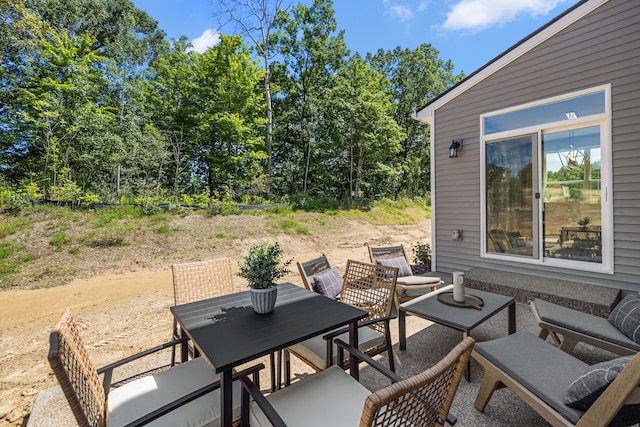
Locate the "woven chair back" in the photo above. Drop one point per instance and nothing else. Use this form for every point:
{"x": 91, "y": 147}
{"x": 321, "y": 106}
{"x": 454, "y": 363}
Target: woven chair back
{"x": 195, "y": 281}
{"x": 76, "y": 374}
{"x": 370, "y": 287}
{"x": 421, "y": 400}
{"x": 386, "y": 252}
{"x": 312, "y": 267}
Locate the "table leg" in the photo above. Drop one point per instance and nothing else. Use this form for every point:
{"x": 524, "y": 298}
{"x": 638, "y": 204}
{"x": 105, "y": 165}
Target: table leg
{"x": 184, "y": 347}
{"x": 467, "y": 370}
{"x": 353, "y": 341}
{"x": 512, "y": 318}
{"x": 402, "y": 329}
{"x": 226, "y": 396}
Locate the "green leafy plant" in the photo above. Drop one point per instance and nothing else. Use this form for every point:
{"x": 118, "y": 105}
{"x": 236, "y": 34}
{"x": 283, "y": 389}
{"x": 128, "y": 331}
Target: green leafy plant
{"x": 583, "y": 221}
{"x": 422, "y": 254}
{"x": 262, "y": 265}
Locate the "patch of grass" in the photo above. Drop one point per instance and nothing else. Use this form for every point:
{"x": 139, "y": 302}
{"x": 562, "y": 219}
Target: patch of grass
{"x": 164, "y": 229}
{"x": 74, "y": 250}
{"x": 59, "y": 239}
{"x": 12, "y": 224}
{"x": 219, "y": 236}
{"x": 291, "y": 226}
{"x": 104, "y": 240}
{"x": 104, "y": 217}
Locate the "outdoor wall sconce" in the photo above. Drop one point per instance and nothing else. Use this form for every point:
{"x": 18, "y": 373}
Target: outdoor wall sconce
{"x": 456, "y": 145}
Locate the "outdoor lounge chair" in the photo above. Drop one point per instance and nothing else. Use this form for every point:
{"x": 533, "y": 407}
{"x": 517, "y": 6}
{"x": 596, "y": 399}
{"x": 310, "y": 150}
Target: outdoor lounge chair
{"x": 567, "y": 327}
{"x": 395, "y": 256}
{"x": 543, "y": 375}
{"x": 367, "y": 286}
{"x": 186, "y": 394}
{"x": 308, "y": 269}
{"x": 334, "y": 398}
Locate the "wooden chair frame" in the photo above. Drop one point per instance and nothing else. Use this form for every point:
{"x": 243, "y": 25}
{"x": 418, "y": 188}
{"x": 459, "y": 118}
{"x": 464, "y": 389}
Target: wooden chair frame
{"x": 566, "y": 338}
{"x": 312, "y": 267}
{"x": 623, "y": 390}
{"x": 387, "y": 252}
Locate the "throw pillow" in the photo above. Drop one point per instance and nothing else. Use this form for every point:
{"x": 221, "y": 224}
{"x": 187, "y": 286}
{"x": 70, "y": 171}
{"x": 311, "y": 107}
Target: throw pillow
{"x": 400, "y": 263}
{"x": 329, "y": 283}
{"x": 626, "y": 317}
{"x": 587, "y": 388}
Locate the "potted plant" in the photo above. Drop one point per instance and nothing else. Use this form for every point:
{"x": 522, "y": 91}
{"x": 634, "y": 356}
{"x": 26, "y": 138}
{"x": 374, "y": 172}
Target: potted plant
{"x": 262, "y": 267}
{"x": 421, "y": 258}
{"x": 583, "y": 221}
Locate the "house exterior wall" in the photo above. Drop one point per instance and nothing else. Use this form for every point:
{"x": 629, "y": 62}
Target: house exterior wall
{"x": 601, "y": 48}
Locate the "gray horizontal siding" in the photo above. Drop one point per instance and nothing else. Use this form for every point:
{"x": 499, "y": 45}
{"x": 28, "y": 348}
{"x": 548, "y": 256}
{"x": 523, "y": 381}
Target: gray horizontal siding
{"x": 602, "y": 48}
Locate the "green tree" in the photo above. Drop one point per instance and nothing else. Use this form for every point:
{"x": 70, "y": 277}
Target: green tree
{"x": 360, "y": 114}
{"x": 229, "y": 141}
{"x": 172, "y": 96}
{"x": 256, "y": 19}
{"x": 416, "y": 76}
{"x": 312, "y": 53}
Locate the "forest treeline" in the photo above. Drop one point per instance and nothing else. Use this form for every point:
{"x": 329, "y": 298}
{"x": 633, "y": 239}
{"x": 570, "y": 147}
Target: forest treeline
{"x": 97, "y": 106}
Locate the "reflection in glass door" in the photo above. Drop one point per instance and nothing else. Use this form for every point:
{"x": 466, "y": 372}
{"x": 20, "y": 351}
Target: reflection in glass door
{"x": 572, "y": 188}
{"x": 509, "y": 196}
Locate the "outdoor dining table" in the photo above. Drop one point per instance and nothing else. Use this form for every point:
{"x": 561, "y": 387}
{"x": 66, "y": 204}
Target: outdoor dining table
{"x": 227, "y": 332}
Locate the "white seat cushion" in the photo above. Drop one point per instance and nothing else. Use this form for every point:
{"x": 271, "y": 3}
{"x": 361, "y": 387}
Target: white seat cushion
{"x": 418, "y": 280}
{"x": 315, "y": 349}
{"x": 142, "y": 396}
{"x": 329, "y": 398}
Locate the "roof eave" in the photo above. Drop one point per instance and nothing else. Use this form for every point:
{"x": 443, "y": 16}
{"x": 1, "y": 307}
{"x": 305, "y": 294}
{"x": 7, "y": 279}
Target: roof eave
{"x": 563, "y": 20}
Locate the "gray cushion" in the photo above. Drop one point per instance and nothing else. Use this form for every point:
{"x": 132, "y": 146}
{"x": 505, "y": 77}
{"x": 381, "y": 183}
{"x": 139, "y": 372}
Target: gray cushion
{"x": 541, "y": 368}
{"x": 626, "y": 317}
{"x": 400, "y": 263}
{"x": 329, "y": 283}
{"x": 588, "y": 387}
{"x": 583, "y": 323}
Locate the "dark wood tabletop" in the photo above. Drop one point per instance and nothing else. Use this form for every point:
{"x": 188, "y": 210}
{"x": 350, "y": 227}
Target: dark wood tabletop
{"x": 228, "y": 332}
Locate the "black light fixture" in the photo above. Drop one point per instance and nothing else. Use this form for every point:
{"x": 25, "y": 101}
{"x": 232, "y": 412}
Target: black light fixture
{"x": 456, "y": 145}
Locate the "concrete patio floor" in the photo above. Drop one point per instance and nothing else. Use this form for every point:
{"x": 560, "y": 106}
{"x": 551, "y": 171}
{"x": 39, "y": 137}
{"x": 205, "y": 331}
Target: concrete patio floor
{"x": 427, "y": 343}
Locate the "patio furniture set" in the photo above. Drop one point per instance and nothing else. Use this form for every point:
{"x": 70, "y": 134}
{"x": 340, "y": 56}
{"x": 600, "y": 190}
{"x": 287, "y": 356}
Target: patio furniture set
{"x": 335, "y": 323}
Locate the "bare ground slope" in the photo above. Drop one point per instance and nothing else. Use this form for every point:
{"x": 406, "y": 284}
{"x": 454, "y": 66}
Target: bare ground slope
{"x": 122, "y": 299}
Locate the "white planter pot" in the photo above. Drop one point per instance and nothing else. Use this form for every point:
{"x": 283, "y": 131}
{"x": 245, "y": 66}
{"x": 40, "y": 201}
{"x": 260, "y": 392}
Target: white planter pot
{"x": 263, "y": 300}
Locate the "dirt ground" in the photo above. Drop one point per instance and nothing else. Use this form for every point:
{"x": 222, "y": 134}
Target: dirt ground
{"x": 127, "y": 309}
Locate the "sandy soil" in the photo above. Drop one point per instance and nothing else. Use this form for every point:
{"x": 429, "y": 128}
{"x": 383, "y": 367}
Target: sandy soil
{"x": 126, "y": 311}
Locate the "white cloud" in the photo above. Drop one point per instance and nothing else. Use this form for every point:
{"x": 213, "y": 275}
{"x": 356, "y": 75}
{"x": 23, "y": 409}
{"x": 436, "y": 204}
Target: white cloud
{"x": 480, "y": 14}
{"x": 402, "y": 12}
{"x": 208, "y": 38}
{"x": 424, "y": 4}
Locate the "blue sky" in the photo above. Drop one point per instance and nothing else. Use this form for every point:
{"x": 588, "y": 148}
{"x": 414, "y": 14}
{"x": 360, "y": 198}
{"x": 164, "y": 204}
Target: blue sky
{"x": 469, "y": 32}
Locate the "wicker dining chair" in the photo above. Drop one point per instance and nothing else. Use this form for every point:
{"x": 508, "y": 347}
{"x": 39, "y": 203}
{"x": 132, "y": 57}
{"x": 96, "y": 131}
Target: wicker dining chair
{"x": 369, "y": 287}
{"x": 195, "y": 281}
{"x": 188, "y": 393}
{"x": 333, "y": 397}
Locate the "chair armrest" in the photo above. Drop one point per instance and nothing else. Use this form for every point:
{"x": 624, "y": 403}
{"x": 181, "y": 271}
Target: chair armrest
{"x": 249, "y": 389}
{"x": 451, "y": 419}
{"x": 335, "y": 333}
{"x": 107, "y": 370}
{"x": 342, "y": 346}
{"x": 146, "y": 419}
